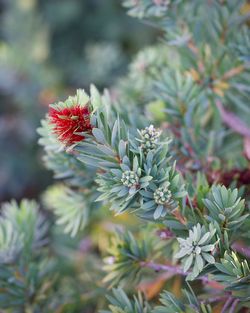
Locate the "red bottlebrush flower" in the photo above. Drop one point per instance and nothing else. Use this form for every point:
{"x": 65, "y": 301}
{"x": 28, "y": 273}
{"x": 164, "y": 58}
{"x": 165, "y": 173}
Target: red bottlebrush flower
{"x": 70, "y": 120}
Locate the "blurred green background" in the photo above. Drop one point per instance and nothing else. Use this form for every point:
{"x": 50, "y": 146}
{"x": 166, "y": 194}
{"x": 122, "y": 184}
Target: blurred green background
{"x": 47, "y": 49}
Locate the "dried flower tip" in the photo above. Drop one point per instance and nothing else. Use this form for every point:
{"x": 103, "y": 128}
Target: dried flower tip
{"x": 69, "y": 121}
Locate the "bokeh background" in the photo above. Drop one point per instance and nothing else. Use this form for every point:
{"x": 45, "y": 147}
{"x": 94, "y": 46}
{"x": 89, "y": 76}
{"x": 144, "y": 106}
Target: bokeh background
{"x": 48, "y": 48}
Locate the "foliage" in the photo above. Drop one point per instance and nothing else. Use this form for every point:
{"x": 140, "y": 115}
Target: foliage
{"x": 20, "y": 274}
{"x": 37, "y": 39}
{"x": 225, "y": 207}
{"x": 170, "y": 304}
{"x": 155, "y": 153}
{"x": 234, "y": 273}
{"x": 120, "y": 303}
{"x": 70, "y": 207}
{"x": 197, "y": 249}
{"x": 126, "y": 254}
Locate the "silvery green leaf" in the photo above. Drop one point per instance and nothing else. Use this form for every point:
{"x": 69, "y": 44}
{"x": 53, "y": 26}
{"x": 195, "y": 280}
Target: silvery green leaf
{"x": 116, "y": 189}
{"x": 99, "y": 135}
{"x": 204, "y": 239}
{"x": 188, "y": 262}
{"x": 195, "y": 272}
{"x": 106, "y": 150}
{"x": 105, "y": 164}
{"x": 199, "y": 262}
{"x": 146, "y": 193}
{"x": 212, "y": 230}
{"x": 208, "y": 257}
{"x": 144, "y": 185}
{"x": 236, "y": 212}
{"x": 152, "y": 185}
{"x": 125, "y": 160}
{"x": 139, "y": 171}
{"x": 224, "y": 195}
{"x": 181, "y": 240}
{"x": 116, "y": 172}
{"x": 114, "y": 133}
{"x": 149, "y": 204}
{"x": 95, "y": 97}
{"x": 191, "y": 276}
{"x": 102, "y": 197}
{"x": 190, "y": 239}
{"x": 150, "y": 156}
{"x": 122, "y": 192}
{"x": 135, "y": 164}
{"x": 199, "y": 229}
{"x": 233, "y": 195}
{"x": 89, "y": 160}
{"x": 93, "y": 120}
{"x": 175, "y": 180}
{"x": 208, "y": 203}
{"x": 158, "y": 211}
{"x": 189, "y": 250}
{"x": 132, "y": 190}
{"x": 166, "y": 184}
{"x": 217, "y": 196}
{"x": 195, "y": 234}
{"x": 125, "y": 167}
{"x": 208, "y": 248}
{"x": 146, "y": 179}
{"x": 180, "y": 254}
{"x": 122, "y": 149}
{"x": 239, "y": 220}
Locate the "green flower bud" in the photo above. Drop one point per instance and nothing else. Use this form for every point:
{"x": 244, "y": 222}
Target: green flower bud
{"x": 129, "y": 178}
{"x": 149, "y": 138}
{"x": 162, "y": 195}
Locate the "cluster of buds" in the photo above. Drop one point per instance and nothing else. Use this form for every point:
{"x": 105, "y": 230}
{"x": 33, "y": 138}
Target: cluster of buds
{"x": 163, "y": 195}
{"x": 149, "y": 138}
{"x": 129, "y": 178}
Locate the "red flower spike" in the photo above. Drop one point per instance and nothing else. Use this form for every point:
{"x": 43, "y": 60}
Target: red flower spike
{"x": 67, "y": 121}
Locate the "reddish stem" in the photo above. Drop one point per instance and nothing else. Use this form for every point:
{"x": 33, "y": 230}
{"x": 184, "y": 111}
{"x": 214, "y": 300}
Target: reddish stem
{"x": 172, "y": 268}
{"x": 234, "y": 304}
{"x": 226, "y": 305}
